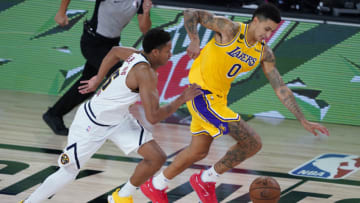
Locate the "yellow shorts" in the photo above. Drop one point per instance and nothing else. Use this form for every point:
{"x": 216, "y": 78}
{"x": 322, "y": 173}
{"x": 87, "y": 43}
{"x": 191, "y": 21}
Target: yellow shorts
{"x": 210, "y": 115}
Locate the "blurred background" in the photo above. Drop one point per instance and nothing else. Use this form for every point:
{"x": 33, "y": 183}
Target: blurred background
{"x": 333, "y": 10}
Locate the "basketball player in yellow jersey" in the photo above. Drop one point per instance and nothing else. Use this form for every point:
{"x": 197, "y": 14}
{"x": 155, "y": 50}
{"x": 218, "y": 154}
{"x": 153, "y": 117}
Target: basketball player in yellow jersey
{"x": 235, "y": 48}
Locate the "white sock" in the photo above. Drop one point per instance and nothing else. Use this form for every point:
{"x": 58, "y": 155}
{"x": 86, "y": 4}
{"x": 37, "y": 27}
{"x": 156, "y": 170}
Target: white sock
{"x": 52, "y": 184}
{"x": 160, "y": 182}
{"x": 127, "y": 190}
{"x": 210, "y": 175}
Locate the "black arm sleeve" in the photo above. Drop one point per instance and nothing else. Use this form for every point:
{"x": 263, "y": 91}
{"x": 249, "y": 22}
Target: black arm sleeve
{"x": 141, "y": 10}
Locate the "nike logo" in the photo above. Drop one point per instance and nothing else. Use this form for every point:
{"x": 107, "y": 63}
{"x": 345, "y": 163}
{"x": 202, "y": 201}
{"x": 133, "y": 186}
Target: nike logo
{"x": 239, "y": 41}
{"x": 204, "y": 190}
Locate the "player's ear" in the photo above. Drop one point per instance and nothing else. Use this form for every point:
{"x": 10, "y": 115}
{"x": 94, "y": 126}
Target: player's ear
{"x": 255, "y": 20}
{"x": 156, "y": 52}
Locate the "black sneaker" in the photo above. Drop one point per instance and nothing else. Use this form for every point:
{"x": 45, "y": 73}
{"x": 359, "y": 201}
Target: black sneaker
{"x": 55, "y": 123}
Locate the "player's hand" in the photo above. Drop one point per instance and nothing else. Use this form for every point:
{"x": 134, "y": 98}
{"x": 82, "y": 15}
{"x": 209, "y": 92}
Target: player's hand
{"x": 314, "y": 127}
{"x": 147, "y": 6}
{"x": 193, "y": 49}
{"x": 61, "y": 19}
{"x": 88, "y": 85}
{"x": 191, "y": 92}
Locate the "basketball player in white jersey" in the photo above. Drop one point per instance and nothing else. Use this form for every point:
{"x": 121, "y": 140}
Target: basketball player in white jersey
{"x": 106, "y": 116}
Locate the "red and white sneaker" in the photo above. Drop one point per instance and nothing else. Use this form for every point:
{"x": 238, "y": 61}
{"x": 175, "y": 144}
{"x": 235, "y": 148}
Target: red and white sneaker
{"x": 205, "y": 190}
{"x": 155, "y": 195}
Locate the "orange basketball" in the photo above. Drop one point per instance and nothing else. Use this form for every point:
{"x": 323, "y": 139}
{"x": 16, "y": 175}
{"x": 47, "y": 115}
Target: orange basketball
{"x": 264, "y": 190}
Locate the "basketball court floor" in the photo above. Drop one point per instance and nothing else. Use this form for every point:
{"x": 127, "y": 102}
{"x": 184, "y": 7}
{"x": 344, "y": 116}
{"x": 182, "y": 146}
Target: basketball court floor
{"x": 29, "y": 152}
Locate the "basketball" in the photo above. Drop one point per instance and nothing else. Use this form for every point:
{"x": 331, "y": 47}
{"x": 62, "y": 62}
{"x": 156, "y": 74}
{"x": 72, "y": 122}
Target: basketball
{"x": 264, "y": 190}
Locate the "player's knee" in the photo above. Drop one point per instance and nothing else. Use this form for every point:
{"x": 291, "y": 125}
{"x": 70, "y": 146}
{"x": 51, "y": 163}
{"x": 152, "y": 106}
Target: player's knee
{"x": 251, "y": 144}
{"x": 257, "y": 143}
{"x": 160, "y": 159}
{"x": 156, "y": 160}
{"x": 69, "y": 172}
{"x": 198, "y": 154}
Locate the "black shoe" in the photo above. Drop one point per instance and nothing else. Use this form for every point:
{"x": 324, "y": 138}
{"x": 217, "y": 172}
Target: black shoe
{"x": 55, "y": 123}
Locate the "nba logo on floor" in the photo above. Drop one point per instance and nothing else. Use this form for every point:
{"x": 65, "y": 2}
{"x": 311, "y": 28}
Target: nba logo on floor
{"x": 329, "y": 166}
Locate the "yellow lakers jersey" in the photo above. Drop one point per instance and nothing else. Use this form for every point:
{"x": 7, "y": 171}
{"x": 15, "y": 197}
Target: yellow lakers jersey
{"x": 219, "y": 64}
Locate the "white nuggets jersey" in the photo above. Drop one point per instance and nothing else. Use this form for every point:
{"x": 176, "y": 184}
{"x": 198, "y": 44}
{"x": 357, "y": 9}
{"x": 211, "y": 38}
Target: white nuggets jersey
{"x": 112, "y": 101}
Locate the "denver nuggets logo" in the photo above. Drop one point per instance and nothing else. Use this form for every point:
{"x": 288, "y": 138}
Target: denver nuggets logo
{"x": 64, "y": 159}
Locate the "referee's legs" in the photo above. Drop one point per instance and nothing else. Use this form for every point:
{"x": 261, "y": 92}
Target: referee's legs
{"x": 54, "y": 116}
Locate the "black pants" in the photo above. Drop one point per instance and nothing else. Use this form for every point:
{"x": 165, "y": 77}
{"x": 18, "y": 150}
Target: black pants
{"x": 94, "y": 48}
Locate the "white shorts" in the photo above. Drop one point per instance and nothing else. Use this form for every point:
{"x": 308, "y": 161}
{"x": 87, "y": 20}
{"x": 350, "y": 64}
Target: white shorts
{"x": 85, "y": 138}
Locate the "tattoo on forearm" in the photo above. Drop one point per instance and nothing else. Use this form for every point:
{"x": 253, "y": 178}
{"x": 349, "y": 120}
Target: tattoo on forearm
{"x": 285, "y": 95}
{"x": 289, "y": 101}
{"x": 191, "y": 20}
{"x": 275, "y": 79}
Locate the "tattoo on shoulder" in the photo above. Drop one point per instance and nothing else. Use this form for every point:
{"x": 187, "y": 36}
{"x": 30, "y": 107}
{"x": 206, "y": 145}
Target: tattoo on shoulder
{"x": 206, "y": 17}
{"x": 268, "y": 55}
{"x": 235, "y": 28}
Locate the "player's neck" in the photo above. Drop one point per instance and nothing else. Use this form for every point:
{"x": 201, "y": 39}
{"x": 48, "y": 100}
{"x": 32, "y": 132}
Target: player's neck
{"x": 149, "y": 58}
{"x": 250, "y": 35}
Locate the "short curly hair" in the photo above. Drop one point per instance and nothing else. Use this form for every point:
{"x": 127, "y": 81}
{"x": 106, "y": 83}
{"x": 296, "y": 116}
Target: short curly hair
{"x": 268, "y": 11}
{"x": 155, "y": 38}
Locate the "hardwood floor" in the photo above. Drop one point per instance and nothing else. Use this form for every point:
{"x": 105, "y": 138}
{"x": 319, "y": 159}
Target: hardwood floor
{"x": 29, "y": 152}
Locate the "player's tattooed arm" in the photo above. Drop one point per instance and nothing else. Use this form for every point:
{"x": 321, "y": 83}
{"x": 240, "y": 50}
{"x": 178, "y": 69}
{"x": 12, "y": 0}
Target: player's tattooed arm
{"x": 222, "y": 25}
{"x": 282, "y": 91}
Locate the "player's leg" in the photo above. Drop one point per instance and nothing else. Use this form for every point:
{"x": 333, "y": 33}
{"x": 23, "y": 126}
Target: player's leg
{"x": 52, "y": 184}
{"x": 70, "y": 161}
{"x": 214, "y": 118}
{"x": 129, "y": 136}
{"x": 81, "y": 146}
{"x": 248, "y": 143}
{"x": 196, "y": 151}
{"x": 155, "y": 187}
{"x": 154, "y": 158}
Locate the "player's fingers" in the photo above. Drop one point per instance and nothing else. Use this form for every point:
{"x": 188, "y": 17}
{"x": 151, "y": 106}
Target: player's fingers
{"x": 83, "y": 86}
{"x": 194, "y": 85}
{"x": 85, "y": 90}
{"x": 312, "y": 130}
{"x": 62, "y": 23}
{"x": 84, "y": 81}
{"x": 198, "y": 92}
{"x": 191, "y": 54}
{"x": 324, "y": 131}
{"x": 196, "y": 55}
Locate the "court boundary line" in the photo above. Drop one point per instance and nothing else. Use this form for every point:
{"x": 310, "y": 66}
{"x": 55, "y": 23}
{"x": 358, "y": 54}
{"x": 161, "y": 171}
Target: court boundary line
{"x": 194, "y": 166}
